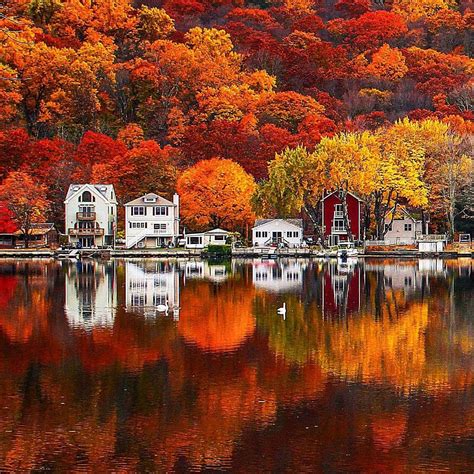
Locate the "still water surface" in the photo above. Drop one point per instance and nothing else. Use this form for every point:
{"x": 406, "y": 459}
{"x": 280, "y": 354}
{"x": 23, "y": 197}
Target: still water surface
{"x": 371, "y": 370}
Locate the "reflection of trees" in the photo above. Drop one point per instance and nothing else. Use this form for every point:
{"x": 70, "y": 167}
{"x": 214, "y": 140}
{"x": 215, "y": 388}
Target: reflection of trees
{"x": 406, "y": 340}
{"x": 217, "y": 317}
{"x": 138, "y": 397}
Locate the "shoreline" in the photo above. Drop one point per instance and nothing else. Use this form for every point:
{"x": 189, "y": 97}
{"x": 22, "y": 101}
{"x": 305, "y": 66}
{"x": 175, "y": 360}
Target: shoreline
{"x": 250, "y": 253}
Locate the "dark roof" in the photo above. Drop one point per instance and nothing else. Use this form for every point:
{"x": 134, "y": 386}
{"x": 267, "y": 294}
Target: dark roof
{"x": 39, "y": 228}
{"x": 295, "y": 222}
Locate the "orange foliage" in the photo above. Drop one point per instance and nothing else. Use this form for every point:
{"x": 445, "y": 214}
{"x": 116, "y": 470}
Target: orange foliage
{"x": 216, "y": 193}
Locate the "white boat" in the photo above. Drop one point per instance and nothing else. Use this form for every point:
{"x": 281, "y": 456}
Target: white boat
{"x": 346, "y": 250}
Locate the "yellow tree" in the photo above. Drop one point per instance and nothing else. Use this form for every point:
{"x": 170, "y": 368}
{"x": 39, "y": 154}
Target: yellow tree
{"x": 399, "y": 175}
{"x": 413, "y": 10}
{"x": 216, "y": 193}
{"x": 448, "y": 162}
{"x": 350, "y": 162}
{"x": 295, "y": 183}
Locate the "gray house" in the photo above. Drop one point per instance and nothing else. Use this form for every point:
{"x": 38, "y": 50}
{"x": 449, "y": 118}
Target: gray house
{"x": 404, "y": 228}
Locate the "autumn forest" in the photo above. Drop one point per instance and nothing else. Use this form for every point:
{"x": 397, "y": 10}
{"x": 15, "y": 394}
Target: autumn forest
{"x": 245, "y": 108}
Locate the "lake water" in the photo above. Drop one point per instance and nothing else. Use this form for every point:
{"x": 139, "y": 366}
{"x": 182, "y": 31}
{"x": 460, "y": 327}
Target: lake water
{"x": 372, "y": 369}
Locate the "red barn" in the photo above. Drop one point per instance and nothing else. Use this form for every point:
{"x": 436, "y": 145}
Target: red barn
{"x": 333, "y": 221}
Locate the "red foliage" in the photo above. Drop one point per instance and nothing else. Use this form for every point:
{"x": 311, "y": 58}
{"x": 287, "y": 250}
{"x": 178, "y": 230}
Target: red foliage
{"x": 369, "y": 31}
{"x": 7, "y": 225}
{"x": 95, "y": 148}
{"x": 14, "y": 147}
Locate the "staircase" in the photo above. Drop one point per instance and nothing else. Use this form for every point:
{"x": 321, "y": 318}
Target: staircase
{"x": 131, "y": 243}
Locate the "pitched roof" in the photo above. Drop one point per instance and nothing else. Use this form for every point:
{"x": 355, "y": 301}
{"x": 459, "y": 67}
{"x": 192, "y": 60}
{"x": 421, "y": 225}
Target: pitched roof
{"x": 295, "y": 222}
{"x": 161, "y": 201}
{"x": 38, "y": 229}
{"x": 217, "y": 231}
{"x": 402, "y": 213}
{"x": 349, "y": 193}
{"x": 104, "y": 190}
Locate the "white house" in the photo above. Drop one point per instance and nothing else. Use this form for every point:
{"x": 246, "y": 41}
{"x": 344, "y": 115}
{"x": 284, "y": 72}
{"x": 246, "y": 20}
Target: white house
{"x": 90, "y": 294}
{"x": 201, "y": 270}
{"x": 404, "y": 228}
{"x": 201, "y": 240}
{"x": 274, "y": 231}
{"x": 91, "y": 214}
{"x": 149, "y": 284}
{"x": 151, "y": 221}
{"x": 281, "y": 276}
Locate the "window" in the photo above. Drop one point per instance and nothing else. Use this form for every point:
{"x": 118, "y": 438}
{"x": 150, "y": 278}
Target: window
{"x": 339, "y": 224}
{"x": 159, "y": 226}
{"x": 293, "y": 234}
{"x": 338, "y": 210}
{"x": 219, "y": 237}
{"x": 388, "y": 227}
{"x": 138, "y": 225}
{"x": 160, "y": 211}
{"x": 194, "y": 240}
{"x": 138, "y": 211}
{"x": 259, "y": 234}
{"x": 408, "y": 227}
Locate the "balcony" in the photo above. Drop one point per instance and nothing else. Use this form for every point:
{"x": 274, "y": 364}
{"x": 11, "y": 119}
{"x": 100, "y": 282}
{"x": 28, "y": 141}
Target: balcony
{"x": 79, "y": 232}
{"x": 85, "y": 216}
{"x": 338, "y": 230}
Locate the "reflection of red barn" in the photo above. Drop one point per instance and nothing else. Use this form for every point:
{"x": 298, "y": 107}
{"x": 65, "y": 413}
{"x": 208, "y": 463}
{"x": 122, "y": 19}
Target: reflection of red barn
{"x": 333, "y": 218}
{"x": 341, "y": 288}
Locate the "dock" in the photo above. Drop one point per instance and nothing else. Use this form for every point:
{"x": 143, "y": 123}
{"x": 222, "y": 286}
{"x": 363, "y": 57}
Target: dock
{"x": 246, "y": 252}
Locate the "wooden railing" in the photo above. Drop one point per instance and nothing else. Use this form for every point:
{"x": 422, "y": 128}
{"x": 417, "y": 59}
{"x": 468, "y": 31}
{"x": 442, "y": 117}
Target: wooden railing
{"x": 95, "y": 231}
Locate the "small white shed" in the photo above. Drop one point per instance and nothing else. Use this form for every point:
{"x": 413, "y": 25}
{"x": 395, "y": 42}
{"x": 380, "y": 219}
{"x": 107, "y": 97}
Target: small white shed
{"x": 431, "y": 246}
{"x": 201, "y": 240}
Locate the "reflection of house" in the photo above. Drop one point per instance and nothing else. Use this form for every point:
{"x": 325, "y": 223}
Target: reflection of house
{"x": 149, "y": 284}
{"x": 91, "y": 294}
{"x": 341, "y": 288}
{"x": 284, "y": 275}
{"x": 274, "y": 231}
{"x": 201, "y": 269}
{"x": 203, "y": 239}
{"x": 333, "y": 218}
{"x": 403, "y": 227}
{"x": 151, "y": 221}
{"x": 91, "y": 214}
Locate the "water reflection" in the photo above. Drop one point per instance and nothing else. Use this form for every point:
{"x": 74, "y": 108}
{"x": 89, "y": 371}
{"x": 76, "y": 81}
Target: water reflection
{"x": 372, "y": 370}
{"x": 150, "y": 285}
{"x": 278, "y": 276}
{"x": 90, "y": 294}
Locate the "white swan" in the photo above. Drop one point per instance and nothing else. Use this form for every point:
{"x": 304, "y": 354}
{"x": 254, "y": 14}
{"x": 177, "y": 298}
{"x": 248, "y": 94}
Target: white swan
{"x": 282, "y": 310}
{"x": 162, "y": 308}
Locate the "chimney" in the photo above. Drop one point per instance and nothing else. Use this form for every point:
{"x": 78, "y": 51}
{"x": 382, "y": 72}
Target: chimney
{"x": 176, "y": 215}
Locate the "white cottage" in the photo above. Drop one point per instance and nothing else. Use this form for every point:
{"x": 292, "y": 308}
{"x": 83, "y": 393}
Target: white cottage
{"x": 269, "y": 232}
{"x": 91, "y": 214}
{"x": 151, "y": 221}
{"x": 201, "y": 240}
{"x": 404, "y": 228}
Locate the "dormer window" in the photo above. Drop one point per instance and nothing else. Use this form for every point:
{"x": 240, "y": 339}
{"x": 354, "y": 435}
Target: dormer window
{"x": 150, "y": 199}
{"x": 86, "y": 197}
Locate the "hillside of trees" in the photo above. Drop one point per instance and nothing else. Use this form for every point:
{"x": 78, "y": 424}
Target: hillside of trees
{"x": 135, "y": 93}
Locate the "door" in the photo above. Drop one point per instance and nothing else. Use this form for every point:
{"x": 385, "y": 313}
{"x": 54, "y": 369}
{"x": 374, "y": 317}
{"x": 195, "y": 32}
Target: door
{"x": 277, "y": 237}
{"x": 86, "y": 242}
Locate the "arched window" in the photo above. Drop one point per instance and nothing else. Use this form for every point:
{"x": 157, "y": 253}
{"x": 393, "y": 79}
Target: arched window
{"x": 86, "y": 196}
